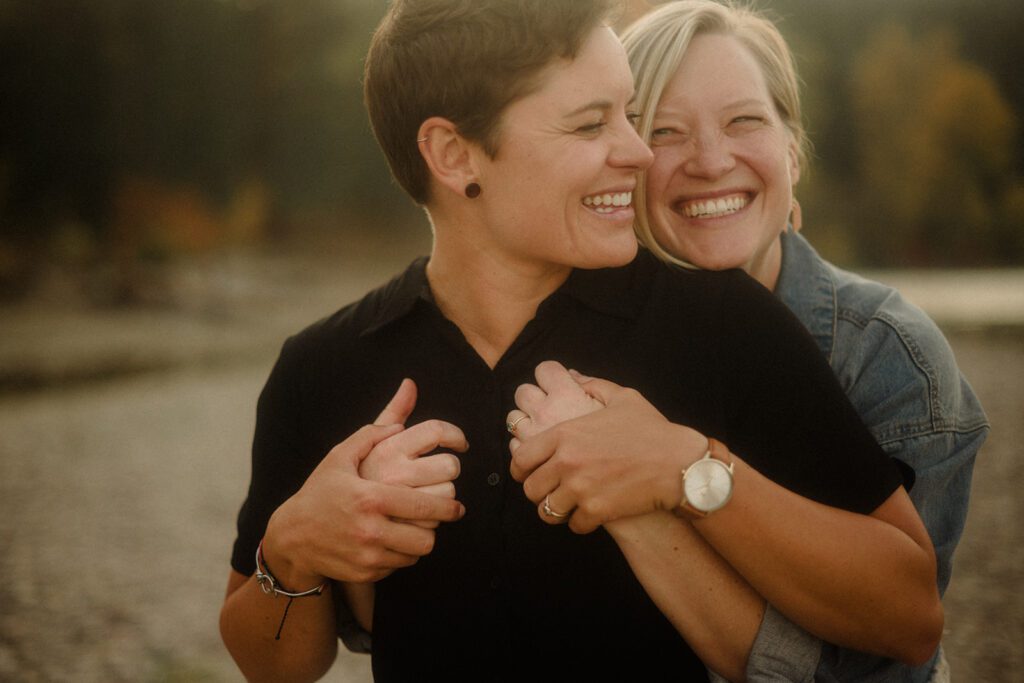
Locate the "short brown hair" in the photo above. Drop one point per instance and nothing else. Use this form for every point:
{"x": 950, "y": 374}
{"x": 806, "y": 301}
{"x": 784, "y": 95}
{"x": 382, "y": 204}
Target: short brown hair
{"x": 466, "y": 61}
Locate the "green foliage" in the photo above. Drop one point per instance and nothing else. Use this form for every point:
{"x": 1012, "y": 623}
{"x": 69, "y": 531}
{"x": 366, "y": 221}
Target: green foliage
{"x": 914, "y": 108}
{"x": 142, "y": 126}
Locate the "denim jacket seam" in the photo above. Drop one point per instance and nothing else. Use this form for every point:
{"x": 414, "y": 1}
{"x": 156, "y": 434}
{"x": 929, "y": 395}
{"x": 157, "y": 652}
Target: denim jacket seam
{"x": 935, "y": 417}
{"x": 897, "y": 435}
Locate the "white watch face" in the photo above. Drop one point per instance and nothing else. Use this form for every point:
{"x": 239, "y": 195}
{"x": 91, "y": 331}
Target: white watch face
{"x": 707, "y": 484}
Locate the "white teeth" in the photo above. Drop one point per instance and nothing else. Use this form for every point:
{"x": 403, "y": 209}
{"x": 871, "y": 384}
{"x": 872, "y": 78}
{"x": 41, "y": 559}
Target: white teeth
{"x": 606, "y": 203}
{"x": 715, "y": 208}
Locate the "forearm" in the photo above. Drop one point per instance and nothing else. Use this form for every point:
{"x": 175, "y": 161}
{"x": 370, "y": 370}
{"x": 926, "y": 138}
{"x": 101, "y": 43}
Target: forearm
{"x": 854, "y": 580}
{"x": 250, "y": 622}
{"x": 707, "y": 601}
{"x": 359, "y": 598}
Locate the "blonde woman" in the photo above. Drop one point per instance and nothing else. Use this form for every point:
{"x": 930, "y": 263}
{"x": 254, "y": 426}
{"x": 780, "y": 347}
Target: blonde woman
{"x": 721, "y": 111}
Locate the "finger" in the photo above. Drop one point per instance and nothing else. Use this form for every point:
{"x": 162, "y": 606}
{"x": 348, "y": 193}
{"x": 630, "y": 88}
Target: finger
{"x": 602, "y": 389}
{"x": 530, "y": 455}
{"x": 543, "y": 481}
{"x": 407, "y": 539}
{"x": 551, "y": 513}
{"x": 552, "y": 377}
{"x": 579, "y": 376}
{"x": 401, "y": 405}
{"x": 421, "y": 523}
{"x": 582, "y": 525}
{"x": 445, "y": 490}
{"x": 405, "y": 503}
{"x": 425, "y": 437}
{"x": 429, "y": 470}
{"x": 528, "y": 396}
{"x": 356, "y": 447}
{"x": 513, "y": 445}
{"x": 515, "y": 420}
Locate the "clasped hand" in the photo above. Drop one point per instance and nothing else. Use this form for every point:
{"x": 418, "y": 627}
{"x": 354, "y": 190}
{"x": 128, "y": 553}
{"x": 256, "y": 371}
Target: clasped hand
{"x": 595, "y": 449}
{"x": 350, "y": 521}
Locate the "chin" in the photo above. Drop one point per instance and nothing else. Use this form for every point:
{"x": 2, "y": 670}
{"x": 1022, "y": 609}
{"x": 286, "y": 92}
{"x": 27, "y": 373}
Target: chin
{"x": 612, "y": 256}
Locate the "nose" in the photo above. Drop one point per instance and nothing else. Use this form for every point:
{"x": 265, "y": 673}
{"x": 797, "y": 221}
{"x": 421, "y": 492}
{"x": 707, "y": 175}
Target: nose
{"x": 709, "y": 156}
{"x": 630, "y": 150}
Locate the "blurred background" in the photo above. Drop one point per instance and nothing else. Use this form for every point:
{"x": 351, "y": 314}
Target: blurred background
{"x": 185, "y": 182}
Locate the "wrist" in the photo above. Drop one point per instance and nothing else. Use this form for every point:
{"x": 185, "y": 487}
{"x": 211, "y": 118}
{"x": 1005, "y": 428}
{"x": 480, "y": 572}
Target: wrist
{"x": 707, "y": 484}
{"x": 271, "y": 585}
{"x": 283, "y": 558}
{"x": 688, "y": 446}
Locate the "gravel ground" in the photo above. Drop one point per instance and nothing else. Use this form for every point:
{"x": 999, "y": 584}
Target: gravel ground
{"x": 118, "y": 493}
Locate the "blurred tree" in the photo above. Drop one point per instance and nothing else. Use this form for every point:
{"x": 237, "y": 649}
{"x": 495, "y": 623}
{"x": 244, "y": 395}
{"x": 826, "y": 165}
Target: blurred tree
{"x": 146, "y": 128}
{"x": 53, "y": 86}
{"x": 935, "y": 149}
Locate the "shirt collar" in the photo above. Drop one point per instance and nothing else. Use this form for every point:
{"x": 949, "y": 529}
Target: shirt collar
{"x": 399, "y": 297}
{"x": 806, "y": 286}
{"x": 607, "y": 290}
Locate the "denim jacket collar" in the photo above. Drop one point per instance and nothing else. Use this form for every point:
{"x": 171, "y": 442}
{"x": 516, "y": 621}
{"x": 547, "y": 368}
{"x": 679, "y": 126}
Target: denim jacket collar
{"x": 807, "y": 287}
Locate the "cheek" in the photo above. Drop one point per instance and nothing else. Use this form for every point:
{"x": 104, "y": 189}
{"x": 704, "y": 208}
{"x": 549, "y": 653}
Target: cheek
{"x": 657, "y": 179}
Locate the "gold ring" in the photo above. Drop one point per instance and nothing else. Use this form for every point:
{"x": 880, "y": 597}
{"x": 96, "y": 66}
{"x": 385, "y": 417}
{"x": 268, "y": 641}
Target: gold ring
{"x": 511, "y": 426}
{"x": 550, "y": 512}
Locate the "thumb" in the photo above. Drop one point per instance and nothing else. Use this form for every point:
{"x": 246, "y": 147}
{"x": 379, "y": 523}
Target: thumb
{"x": 401, "y": 405}
{"x": 355, "y": 448}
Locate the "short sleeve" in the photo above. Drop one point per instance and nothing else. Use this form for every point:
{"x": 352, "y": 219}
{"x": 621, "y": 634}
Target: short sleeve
{"x": 791, "y": 418}
{"x": 276, "y": 471}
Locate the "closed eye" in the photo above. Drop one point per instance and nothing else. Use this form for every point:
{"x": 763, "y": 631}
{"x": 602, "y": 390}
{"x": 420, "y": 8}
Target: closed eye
{"x": 666, "y": 136}
{"x": 591, "y": 128}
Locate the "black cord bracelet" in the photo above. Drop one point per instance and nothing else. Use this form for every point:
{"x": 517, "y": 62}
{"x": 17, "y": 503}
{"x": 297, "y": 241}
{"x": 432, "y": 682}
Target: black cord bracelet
{"x": 270, "y": 586}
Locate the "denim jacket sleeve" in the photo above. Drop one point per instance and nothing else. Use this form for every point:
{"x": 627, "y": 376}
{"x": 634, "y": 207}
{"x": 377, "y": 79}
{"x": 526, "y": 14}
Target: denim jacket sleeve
{"x": 783, "y": 651}
{"x": 900, "y": 374}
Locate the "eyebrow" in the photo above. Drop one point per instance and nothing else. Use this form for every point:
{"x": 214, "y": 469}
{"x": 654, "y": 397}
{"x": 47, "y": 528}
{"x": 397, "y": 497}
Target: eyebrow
{"x": 747, "y": 102}
{"x": 739, "y": 104}
{"x": 599, "y": 105}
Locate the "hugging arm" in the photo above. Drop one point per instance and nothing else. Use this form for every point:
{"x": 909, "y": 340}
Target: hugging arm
{"x": 823, "y": 572}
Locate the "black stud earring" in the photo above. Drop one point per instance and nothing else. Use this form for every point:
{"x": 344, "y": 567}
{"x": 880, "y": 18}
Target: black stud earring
{"x": 473, "y": 190}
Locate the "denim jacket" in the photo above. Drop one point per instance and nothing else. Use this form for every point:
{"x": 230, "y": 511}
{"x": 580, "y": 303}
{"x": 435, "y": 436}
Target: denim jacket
{"x": 899, "y": 372}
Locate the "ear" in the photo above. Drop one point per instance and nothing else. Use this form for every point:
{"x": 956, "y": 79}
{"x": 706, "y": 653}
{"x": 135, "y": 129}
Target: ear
{"x": 794, "y": 161}
{"x": 450, "y": 157}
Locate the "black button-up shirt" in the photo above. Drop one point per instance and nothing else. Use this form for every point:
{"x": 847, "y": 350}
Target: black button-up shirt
{"x": 504, "y": 596}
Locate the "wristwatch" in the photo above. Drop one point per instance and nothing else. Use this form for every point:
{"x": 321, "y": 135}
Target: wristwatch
{"x": 707, "y": 483}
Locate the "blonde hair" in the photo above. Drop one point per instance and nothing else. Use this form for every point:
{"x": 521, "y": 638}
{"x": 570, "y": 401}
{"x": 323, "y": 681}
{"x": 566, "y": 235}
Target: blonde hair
{"x": 656, "y": 44}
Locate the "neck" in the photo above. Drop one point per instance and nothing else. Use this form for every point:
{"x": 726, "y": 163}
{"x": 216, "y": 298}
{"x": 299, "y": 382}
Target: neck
{"x": 766, "y": 269}
{"x": 489, "y": 296}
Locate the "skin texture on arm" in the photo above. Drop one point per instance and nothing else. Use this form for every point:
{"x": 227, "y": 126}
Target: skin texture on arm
{"x": 363, "y": 540}
{"x": 709, "y": 603}
{"x": 864, "y": 582}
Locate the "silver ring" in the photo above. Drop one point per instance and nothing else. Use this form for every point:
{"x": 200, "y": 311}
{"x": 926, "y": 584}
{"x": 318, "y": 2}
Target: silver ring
{"x": 511, "y": 426}
{"x": 551, "y": 512}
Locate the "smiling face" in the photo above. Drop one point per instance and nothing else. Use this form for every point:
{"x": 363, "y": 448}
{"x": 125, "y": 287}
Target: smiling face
{"x": 720, "y": 189}
{"x": 558, "y": 192}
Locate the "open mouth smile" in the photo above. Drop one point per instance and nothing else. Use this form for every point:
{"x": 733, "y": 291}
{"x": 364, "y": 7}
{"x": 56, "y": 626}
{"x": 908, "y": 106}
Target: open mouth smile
{"x": 608, "y": 202}
{"x": 714, "y": 208}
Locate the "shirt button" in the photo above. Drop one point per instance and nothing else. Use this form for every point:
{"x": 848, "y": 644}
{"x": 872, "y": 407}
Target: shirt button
{"x": 495, "y": 582}
{"x": 493, "y": 478}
